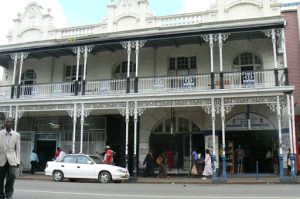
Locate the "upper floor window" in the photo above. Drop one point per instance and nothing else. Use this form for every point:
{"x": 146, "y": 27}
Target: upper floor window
{"x": 247, "y": 61}
{"x": 28, "y": 77}
{"x": 182, "y": 65}
{"x": 70, "y": 73}
{"x": 121, "y": 70}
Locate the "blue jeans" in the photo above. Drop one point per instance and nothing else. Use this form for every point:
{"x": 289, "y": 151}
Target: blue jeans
{"x": 9, "y": 172}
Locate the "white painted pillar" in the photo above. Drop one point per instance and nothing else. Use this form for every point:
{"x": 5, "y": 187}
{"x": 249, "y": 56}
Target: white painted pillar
{"x": 293, "y": 123}
{"x": 223, "y": 125}
{"x": 274, "y": 48}
{"x": 77, "y": 65}
{"x": 283, "y": 48}
{"x": 128, "y": 58}
{"x": 221, "y": 51}
{"x": 211, "y": 46}
{"x": 16, "y": 118}
{"x": 127, "y": 129}
{"x": 135, "y": 137}
{"x": 279, "y": 126}
{"x": 81, "y": 127}
{"x": 137, "y": 50}
{"x": 15, "y": 67}
{"x": 21, "y": 67}
{"x": 74, "y": 127}
{"x": 213, "y": 117}
{"x": 290, "y": 121}
{"x": 85, "y": 60}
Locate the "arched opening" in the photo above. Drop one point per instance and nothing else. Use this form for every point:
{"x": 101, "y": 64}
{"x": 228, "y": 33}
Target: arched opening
{"x": 247, "y": 63}
{"x": 177, "y": 142}
{"x": 258, "y": 138}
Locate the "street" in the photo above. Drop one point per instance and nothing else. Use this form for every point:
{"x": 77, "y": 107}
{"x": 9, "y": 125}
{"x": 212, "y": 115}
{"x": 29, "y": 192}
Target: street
{"x": 35, "y": 189}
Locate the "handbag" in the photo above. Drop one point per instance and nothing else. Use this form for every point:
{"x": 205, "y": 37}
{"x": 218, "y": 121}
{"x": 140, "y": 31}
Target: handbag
{"x": 194, "y": 170}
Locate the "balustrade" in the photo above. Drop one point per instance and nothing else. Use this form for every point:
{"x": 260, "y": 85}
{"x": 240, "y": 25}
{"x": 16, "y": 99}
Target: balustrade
{"x": 159, "y": 84}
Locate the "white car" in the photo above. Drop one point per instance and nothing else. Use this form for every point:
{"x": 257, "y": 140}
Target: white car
{"x": 81, "y": 166}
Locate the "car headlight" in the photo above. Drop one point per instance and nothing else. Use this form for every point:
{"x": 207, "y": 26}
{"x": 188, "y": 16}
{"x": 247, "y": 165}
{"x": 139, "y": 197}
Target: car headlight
{"x": 122, "y": 170}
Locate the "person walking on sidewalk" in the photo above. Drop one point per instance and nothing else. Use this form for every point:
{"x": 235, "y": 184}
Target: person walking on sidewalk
{"x": 33, "y": 159}
{"x": 207, "y": 168}
{"x": 9, "y": 159}
{"x": 149, "y": 161}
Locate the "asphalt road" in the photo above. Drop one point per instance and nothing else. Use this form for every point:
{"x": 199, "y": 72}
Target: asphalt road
{"x": 33, "y": 189}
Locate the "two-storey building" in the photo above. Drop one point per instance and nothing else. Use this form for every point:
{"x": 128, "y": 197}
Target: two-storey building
{"x": 207, "y": 80}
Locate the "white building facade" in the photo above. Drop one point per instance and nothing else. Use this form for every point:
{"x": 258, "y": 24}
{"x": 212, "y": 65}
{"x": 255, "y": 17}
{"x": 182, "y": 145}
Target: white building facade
{"x": 214, "y": 79}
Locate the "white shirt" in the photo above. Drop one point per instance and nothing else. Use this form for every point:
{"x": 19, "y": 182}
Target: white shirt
{"x": 61, "y": 154}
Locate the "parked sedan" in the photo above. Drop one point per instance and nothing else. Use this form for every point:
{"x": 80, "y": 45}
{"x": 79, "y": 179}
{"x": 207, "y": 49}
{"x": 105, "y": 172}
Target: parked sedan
{"x": 81, "y": 166}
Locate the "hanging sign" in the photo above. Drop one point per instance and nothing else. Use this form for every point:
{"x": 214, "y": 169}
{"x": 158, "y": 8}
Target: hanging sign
{"x": 255, "y": 122}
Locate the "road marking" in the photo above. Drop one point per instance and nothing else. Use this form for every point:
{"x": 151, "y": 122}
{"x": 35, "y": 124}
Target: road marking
{"x": 152, "y": 196}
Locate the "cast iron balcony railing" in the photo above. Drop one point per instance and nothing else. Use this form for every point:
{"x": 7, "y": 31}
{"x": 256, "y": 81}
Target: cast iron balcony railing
{"x": 148, "y": 85}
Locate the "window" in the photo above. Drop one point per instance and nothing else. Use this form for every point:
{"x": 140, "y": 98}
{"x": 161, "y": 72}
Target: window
{"x": 83, "y": 160}
{"x": 180, "y": 125}
{"x": 70, "y": 73}
{"x": 69, "y": 159}
{"x": 121, "y": 70}
{"x": 182, "y": 65}
{"x": 28, "y": 77}
{"x": 247, "y": 60}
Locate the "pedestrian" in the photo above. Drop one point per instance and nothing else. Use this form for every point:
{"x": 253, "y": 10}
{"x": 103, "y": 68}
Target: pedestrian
{"x": 149, "y": 161}
{"x": 109, "y": 155}
{"x": 240, "y": 155}
{"x": 275, "y": 160}
{"x": 288, "y": 162}
{"x": 33, "y": 159}
{"x": 57, "y": 152}
{"x": 62, "y": 153}
{"x": 161, "y": 162}
{"x": 207, "y": 167}
{"x": 9, "y": 159}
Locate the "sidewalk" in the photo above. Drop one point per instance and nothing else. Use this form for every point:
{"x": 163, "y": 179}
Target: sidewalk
{"x": 232, "y": 179}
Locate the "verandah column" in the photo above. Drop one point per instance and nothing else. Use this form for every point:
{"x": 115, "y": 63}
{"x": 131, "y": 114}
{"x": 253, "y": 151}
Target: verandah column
{"x": 210, "y": 38}
{"x": 15, "y": 57}
{"x": 223, "y": 139}
{"x": 138, "y": 45}
{"x": 213, "y": 118}
{"x": 280, "y": 156}
{"x": 23, "y": 56}
{"x": 284, "y": 57}
{"x": 294, "y": 131}
{"x": 84, "y": 113}
{"x": 77, "y": 50}
{"x": 73, "y": 114}
{"x": 292, "y": 155}
{"x": 128, "y": 45}
{"x": 221, "y": 38}
{"x": 87, "y": 49}
{"x": 272, "y": 33}
{"x": 127, "y": 131}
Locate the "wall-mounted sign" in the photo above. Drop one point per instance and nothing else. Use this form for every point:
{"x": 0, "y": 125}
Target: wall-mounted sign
{"x": 240, "y": 122}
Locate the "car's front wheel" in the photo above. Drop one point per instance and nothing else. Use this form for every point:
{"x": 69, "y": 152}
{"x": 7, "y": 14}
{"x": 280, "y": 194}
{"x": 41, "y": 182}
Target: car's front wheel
{"x": 104, "y": 177}
{"x": 58, "y": 176}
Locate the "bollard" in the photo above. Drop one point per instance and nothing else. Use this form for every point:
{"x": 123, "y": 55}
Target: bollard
{"x": 256, "y": 170}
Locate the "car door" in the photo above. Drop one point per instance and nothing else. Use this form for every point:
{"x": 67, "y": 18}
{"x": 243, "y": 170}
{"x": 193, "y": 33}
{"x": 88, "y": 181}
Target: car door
{"x": 68, "y": 165}
{"x": 85, "y": 168}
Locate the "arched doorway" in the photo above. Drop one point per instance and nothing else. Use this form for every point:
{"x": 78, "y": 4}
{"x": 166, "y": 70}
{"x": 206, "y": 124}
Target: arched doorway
{"x": 258, "y": 138}
{"x": 177, "y": 137}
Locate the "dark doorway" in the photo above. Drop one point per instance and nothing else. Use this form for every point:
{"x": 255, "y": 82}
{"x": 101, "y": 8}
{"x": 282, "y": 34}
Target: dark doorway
{"x": 46, "y": 151}
{"x": 255, "y": 145}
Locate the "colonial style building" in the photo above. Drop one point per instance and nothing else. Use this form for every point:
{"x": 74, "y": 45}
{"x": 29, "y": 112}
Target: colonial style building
{"x": 212, "y": 80}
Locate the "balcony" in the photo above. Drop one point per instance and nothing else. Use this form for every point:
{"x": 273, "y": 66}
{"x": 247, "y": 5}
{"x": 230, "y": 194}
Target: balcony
{"x": 148, "y": 85}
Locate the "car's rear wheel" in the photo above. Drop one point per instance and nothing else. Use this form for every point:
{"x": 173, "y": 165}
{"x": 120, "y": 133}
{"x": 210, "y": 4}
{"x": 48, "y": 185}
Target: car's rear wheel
{"x": 58, "y": 176}
{"x": 104, "y": 177}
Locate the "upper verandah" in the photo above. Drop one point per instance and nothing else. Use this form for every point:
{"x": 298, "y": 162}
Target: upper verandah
{"x": 134, "y": 15}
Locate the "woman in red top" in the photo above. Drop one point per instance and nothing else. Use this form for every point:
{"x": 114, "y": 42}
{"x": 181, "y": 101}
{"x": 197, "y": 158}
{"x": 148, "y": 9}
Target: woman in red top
{"x": 109, "y": 155}
{"x": 57, "y": 152}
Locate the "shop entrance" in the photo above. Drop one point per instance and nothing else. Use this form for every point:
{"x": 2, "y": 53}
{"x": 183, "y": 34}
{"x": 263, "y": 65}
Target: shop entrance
{"x": 177, "y": 148}
{"x": 258, "y": 147}
{"x": 46, "y": 152}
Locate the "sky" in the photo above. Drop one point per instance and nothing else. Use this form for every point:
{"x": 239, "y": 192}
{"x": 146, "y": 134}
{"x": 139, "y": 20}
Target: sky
{"x": 69, "y": 13}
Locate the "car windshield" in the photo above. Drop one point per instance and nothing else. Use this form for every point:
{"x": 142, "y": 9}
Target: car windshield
{"x": 96, "y": 160}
